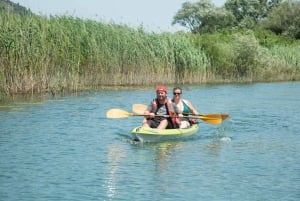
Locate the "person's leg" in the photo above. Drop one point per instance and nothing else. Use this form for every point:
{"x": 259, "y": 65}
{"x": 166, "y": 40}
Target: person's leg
{"x": 152, "y": 123}
{"x": 145, "y": 123}
{"x": 163, "y": 124}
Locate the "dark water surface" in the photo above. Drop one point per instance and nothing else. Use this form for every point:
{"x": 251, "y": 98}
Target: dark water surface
{"x": 64, "y": 148}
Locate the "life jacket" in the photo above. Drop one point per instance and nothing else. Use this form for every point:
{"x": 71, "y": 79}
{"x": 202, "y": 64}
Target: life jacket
{"x": 170, "y": 111}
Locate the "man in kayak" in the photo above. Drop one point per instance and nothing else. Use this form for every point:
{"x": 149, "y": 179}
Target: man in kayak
{"x": 185, "y": 106}
{"x": 162, "y": 113}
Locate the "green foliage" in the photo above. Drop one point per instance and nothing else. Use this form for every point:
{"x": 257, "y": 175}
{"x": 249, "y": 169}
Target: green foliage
{"x": 247, "y": 52}
{"x": 281, "y": 17}
{"x": 203, "y": 17}
{"x": 268, "y": 38}
{"x": 57, "y": 54}
{"x": 65, "y": 53}
{"x": 253, "y": 56}
{"x": 249, "y": 13}
{"x": 232, "y": 56}
{"x": 9, "y": 6}
{"x": 191, "y": 15}
{"x": 284, "y": 19}
{"x": 216, "y": 48}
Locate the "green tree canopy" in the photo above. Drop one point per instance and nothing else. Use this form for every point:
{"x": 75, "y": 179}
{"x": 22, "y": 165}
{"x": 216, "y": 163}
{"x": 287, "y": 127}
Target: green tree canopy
{"x": 248, "y": 13}
{"x": 203, "y": 16}
{"x": 284, "y": 19}
{"x": 16, "y": 8}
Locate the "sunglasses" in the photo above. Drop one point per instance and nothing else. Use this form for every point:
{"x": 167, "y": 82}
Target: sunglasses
{"x": 176, "y": 93}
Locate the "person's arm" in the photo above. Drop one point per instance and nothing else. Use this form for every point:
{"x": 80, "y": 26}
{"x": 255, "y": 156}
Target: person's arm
{"x": 192, "y": 109}
{"x": 148, "y": 113}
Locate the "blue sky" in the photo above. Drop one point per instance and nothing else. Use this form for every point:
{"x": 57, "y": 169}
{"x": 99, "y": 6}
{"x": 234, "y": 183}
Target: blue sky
{"x": 154, "y": 15}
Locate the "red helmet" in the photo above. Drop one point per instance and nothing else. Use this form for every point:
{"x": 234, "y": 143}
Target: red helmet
{"x": 161, "y": 88}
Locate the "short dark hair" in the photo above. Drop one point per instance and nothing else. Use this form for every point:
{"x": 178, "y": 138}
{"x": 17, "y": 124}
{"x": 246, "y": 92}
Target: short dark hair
{"x": 175, "y": 88}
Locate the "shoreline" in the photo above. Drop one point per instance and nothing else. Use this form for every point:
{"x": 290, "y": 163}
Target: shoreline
{"x": 32, "y": 97}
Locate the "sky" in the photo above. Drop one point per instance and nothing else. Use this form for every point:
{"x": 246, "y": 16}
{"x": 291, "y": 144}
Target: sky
{"x": 153, "y": 15}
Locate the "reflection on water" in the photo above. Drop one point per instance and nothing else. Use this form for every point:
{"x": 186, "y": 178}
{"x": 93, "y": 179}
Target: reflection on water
{"x": 163, "y": 154}
{"x": 114, "y": 157}
{"x": 163, "y": 150}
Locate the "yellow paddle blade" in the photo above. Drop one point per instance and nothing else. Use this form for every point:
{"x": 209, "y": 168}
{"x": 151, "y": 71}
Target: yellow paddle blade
{"x": 209, "y": 120}
{"x": 139, "y": 108}
{"x": 215, "y": 116}
{"x": 118, "y": 113}
{"x": 224, "y": 116}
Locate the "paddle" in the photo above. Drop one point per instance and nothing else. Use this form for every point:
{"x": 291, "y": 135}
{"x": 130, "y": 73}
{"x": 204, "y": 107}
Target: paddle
{"x": 119, "y": 113}
{"x": 139, "y": 108}
{"x": 209, "y": 118}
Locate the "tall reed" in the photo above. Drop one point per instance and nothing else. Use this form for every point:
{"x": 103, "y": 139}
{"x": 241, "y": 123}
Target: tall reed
{"x": 62, "y": 53}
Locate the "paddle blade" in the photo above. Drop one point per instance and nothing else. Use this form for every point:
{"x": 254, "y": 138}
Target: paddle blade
{"x": 117, "y": 113}
{"x": 224, "y": 116}
{"x": 210, "y": 120}
{"x": 215, "y": 116}
{"x": 139, "y": 108}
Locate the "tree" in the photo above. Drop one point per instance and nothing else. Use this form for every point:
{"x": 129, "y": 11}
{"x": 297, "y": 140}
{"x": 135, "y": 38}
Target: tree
{"x": 284, "y": 19}
{"x": 202, "y": 17}
{"x": 16, "y": 8}
{"x": 248, "y": 13}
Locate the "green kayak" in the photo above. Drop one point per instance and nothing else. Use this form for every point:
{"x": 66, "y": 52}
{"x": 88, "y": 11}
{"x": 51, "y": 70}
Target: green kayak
{"x": 145, "y": 134}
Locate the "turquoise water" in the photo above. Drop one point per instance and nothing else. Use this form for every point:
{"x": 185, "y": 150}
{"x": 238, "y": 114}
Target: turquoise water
{"x": 64, "y": 148}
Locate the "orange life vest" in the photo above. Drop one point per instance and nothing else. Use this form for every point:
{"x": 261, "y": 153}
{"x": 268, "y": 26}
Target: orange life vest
{"x": 170, "y": 111}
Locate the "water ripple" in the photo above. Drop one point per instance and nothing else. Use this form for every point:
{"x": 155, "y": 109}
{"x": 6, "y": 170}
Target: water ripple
{"x": 66, "y": 149}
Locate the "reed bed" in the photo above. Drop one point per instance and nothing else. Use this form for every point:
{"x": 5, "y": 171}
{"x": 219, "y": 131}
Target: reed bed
{"x": 62, "y": 53}
{"x": 42, "y": 54}
{"x": 241, "y": 56}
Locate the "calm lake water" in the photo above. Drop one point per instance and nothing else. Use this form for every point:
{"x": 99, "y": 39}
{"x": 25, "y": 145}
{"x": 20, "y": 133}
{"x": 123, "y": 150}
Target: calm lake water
{"x": 64, "y": 148}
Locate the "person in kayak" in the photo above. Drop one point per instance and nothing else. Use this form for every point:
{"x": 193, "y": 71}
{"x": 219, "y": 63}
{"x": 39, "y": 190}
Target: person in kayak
{"x": 160, "y": 111}
{"x": 185, "y": 107}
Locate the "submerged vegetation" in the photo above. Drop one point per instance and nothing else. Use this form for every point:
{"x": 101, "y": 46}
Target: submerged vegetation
{"x": 60, "y": 53}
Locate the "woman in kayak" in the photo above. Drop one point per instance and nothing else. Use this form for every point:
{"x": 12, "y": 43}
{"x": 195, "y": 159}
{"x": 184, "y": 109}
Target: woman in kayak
{"x": 185, "y": 108}
{"x": 158, "y": 112}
